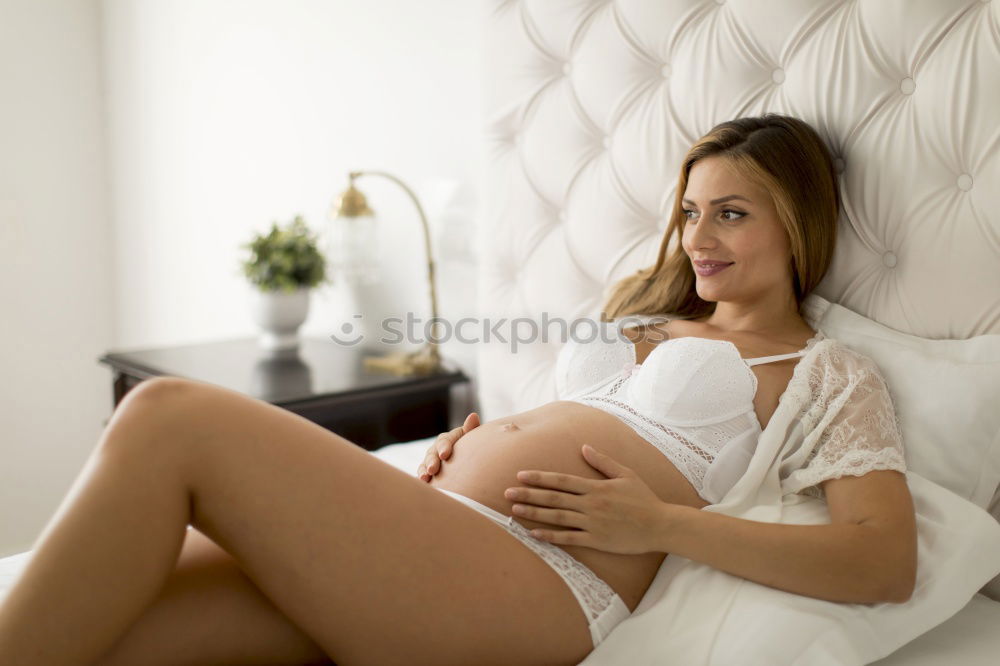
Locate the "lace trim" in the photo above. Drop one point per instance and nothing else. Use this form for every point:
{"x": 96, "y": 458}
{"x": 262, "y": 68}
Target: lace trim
{"x": 594, "y": 594}
{"x": 855, "y": 463}
{"x": 692, "y": 460}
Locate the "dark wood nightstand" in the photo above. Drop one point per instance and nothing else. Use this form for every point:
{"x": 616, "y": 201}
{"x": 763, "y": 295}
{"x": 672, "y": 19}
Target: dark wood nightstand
{"x": 322, "y": 381}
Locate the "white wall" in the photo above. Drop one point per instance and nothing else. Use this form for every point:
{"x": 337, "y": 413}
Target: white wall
{"x": 227, "y": 115}
{"x": 221, "y": 117}
{"x": 56, "y": 268}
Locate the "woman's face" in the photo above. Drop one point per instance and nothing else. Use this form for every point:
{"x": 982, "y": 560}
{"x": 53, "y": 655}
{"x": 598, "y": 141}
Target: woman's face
{"x": 744, "y": 231}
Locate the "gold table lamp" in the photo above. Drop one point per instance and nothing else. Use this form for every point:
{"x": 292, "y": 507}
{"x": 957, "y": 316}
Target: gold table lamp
{"x": 352, "y": 205}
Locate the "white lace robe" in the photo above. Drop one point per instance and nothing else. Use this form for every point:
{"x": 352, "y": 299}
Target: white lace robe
{"x": 835, "y": 418}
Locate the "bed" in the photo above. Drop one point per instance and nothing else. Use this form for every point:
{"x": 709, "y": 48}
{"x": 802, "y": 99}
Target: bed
{"x": 590, "y": 105}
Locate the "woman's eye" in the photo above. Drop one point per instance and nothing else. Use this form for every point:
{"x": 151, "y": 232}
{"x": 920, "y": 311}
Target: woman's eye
{"x": 685, "y": 211}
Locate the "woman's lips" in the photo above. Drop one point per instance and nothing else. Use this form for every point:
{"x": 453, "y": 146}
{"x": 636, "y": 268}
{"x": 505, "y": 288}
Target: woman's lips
{"x": 706, "y": 272}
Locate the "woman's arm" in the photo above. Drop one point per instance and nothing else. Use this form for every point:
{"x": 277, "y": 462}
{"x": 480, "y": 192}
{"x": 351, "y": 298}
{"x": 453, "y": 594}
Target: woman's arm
{"x": 866, "y": 555}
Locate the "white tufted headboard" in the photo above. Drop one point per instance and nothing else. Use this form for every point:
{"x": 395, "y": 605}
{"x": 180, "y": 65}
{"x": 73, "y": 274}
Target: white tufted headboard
{"x": 592, "y": 105}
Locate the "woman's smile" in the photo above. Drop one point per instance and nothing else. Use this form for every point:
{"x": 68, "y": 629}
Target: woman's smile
{"x": 709, "y": 271}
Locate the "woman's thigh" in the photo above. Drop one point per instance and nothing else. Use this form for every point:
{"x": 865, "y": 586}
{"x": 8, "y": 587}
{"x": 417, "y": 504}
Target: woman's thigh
{"x": 209, "y": 612}
{"x": 374, "y": 565}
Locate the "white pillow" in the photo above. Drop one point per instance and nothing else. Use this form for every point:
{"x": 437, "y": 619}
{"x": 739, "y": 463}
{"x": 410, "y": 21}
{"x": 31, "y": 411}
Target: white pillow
{"x": 946, "y": 394}
{"x": 958, "y": 549}
{"x": 751, "y": 624}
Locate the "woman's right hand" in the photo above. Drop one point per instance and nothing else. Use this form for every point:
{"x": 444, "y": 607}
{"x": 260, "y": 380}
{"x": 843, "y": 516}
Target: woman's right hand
{"x": 442, "y": 447}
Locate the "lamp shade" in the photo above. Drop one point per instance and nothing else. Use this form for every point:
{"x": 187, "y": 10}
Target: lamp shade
{"x": 351, "y": 241}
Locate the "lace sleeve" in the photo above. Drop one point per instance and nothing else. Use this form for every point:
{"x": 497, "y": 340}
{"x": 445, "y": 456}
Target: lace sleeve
{"x": 862, "y": 437}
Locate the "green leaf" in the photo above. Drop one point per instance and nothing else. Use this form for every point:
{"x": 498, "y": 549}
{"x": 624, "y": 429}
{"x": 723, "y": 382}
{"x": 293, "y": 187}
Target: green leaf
{"x": 285, "y": 258}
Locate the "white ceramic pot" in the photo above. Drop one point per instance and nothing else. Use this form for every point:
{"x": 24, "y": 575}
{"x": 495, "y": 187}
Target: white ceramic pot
{"x": 279, "y": 315}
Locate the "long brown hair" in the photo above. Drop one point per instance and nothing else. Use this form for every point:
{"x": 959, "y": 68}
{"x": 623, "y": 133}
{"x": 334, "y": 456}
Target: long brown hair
{"x": 783, "y": 155}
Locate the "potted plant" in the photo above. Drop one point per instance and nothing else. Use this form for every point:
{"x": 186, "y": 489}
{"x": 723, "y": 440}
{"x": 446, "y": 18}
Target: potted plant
{"x": 283, "y": 266}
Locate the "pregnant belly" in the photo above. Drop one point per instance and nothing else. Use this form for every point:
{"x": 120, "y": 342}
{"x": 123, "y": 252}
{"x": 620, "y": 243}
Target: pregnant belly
{"x": 485, "y": 462}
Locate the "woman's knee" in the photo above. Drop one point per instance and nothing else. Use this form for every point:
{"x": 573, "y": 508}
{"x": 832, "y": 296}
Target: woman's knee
{"x": 158, "y": 391}
{"x": 158, "y": 411}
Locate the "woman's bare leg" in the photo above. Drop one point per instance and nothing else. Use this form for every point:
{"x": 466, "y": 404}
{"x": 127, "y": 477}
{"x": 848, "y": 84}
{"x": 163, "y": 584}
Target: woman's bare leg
{"x": 108, "y": 549}
{"x": 372, "y": 564}
{"x": 210, "y": 612}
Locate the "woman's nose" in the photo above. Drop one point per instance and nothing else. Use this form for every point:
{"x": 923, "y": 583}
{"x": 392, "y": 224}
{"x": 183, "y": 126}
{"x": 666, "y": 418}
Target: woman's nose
{"x": 701, "y": 236}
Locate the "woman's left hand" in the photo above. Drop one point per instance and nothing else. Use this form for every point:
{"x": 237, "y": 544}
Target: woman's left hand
{"x": 620, "y": 514}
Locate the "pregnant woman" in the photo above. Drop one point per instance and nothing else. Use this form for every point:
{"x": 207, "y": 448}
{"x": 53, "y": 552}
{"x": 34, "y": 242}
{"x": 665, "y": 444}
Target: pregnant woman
{"x": 304, "y": 548}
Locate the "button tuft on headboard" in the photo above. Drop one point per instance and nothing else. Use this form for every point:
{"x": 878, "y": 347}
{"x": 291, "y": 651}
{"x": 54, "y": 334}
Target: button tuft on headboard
{"x": 617, "y": 91}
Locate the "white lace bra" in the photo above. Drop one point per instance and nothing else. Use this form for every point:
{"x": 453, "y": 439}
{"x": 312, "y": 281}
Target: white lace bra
{"x": 692, "y": 398}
